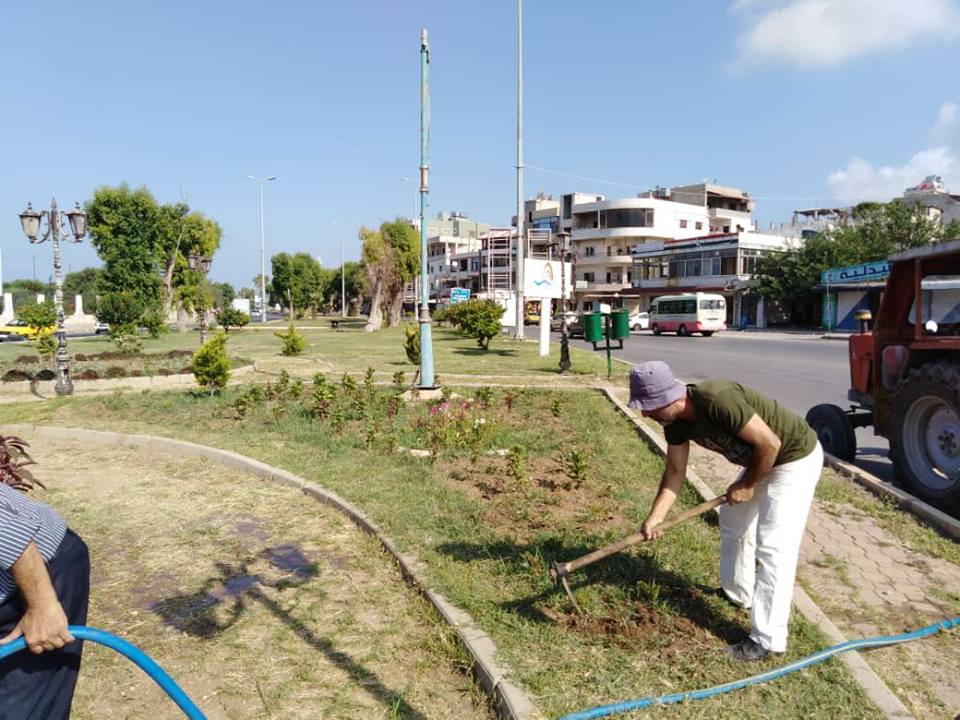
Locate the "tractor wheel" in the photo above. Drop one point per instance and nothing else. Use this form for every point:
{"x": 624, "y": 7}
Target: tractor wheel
{"x": 834, "y": 430}
{"x": 682, "y": 331}
{"x": 925, "y": 434}
{"x": 656, "y": 329}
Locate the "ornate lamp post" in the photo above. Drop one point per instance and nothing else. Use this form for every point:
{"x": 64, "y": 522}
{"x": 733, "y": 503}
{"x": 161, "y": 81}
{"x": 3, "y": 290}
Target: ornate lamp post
{"x": 30, "y": 221}
{"x": 201, "y": 265}
{"x": 563, "y": 243}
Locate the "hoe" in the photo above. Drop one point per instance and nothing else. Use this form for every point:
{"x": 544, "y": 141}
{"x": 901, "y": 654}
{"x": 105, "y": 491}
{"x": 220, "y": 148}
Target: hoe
{"x": 559, "y": 571}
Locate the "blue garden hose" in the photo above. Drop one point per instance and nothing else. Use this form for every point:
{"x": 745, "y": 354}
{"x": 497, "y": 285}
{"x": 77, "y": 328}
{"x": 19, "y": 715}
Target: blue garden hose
{"x": 132, "y": 653}
{"x": 626, "y": 706}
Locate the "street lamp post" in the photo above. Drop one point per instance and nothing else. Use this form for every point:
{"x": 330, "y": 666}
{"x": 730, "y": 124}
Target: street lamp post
{"x": 30, "y": 221}
{"x": 263, "y": 281}
{"x": 201, "y": 265}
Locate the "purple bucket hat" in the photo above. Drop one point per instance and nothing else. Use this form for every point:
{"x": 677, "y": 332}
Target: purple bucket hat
{"x": 653, "y": 386}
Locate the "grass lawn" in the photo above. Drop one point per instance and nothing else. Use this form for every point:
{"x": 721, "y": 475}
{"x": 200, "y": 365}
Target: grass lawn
{"x": 351, "y": 349}
{"x": 575, "y": 476}
{"x": 256, "y": 608}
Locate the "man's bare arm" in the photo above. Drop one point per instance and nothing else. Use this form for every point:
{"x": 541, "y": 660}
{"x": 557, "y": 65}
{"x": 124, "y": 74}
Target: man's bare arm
{"x": 674, "y": 474}
{"x": 44, "y": 624}
{"x": 766, "y": 448}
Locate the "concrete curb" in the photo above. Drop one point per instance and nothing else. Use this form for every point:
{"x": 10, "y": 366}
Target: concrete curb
{"x": 888, "y": 703}
{"x": 44, "y": 389}
{"x": 509, "y": 698}
{"x": 928, "y": 513}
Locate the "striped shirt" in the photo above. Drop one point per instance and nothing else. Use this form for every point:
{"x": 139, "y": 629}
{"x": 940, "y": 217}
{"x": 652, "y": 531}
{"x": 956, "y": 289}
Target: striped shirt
{"x": 23, "y": 521}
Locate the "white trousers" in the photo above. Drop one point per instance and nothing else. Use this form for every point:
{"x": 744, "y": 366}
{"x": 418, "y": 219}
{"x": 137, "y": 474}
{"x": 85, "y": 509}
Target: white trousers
{"x": 760, "y": 542}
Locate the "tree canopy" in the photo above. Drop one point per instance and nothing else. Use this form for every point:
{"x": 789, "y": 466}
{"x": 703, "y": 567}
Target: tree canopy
{"x": 878, "y": 230}
{"x": 144, "y": 245}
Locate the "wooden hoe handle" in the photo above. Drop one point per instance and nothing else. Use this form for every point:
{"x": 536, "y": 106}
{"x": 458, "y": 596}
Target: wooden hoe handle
{"x": 561, "y": 569}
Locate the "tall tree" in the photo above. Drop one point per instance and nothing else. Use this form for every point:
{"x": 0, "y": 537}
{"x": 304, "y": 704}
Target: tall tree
{"x": 123, "y": 230}
{"x": 378, "y": 267}
{"x": 404, "y": 244}
{"x": 296, "y": 279}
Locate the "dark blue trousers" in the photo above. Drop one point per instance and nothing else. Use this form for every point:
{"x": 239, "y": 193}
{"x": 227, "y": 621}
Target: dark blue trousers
{"x": 40, "y": 687}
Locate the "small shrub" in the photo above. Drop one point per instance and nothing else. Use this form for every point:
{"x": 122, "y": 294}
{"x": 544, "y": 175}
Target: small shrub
{"x": 115, "y": 371}
{"x": 440, "y": 315}
{"x": 484, "y": 396}
{"x": 349, "y": 384}
{"x": 369, "y": 385}
{"x": 508, "y": 399}
{"x": 516, "y": 463}
{"x": 575, "y": 465}
{"x": 16, "y": 376}
{"x": 556, "y": 407}
{"x": 294, "y": 342}
{"x": 46, "y": 345}
{"x": 211, "y": 366}
{"x": 411, "y": 343}
{"x": 38, "y": 316}
{"x": 399, "y": 382}
{"x": 229, "y": 317}
{"x": 251, "y": 397}
{"x": 88, "y": 374}
{"x": 80, "y": 357}
{"x": 29, "y": 360}
{"x": 323, "y": 397}
{"x": 155, "y": 322}
{"x": 125, "y": 336}
{"x": 45, "y": 374}
{"x": 480, "y": 319}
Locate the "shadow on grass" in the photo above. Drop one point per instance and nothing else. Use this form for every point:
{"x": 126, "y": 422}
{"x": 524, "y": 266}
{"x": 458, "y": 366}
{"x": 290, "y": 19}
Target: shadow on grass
{"x": 196, "y": 614}
{"x": 628, "y": 576}
{"x": 480, "y": 352}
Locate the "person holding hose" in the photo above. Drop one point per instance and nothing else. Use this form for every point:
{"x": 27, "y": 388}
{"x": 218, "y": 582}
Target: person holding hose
{"x": 763, "y": 521}
{"x": 44, "y": 587}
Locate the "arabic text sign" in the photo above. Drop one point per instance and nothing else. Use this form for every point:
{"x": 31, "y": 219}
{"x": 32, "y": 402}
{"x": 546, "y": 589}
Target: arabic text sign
{"x": 866, "y": 272}
{"x": 541, "y": 278}
{"x": 458, "y": 295}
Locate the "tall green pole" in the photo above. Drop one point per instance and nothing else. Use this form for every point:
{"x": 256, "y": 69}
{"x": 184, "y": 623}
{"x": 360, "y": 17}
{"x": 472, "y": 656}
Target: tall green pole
{"x": 426, "y": 334}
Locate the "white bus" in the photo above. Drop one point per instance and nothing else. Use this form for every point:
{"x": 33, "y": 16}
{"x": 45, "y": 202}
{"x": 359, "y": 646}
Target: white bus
{"x": 685, "y": 314}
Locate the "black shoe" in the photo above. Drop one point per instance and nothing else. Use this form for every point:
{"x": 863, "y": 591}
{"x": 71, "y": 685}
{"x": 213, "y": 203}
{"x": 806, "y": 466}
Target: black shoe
{"x": 749, "y": 651}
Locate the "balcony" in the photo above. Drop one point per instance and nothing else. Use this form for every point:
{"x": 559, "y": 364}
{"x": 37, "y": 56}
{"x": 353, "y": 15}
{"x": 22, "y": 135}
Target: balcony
{"x": 594, "y": 287}
{"x": 605, "y": 260}
{"x": 682, "y": 283}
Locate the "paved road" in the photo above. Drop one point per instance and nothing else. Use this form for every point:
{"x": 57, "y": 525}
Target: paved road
{"x": 800, "y": 371}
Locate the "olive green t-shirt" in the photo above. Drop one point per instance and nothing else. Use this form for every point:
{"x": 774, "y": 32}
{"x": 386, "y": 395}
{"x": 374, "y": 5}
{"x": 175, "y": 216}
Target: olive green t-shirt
{"x": 723, "y": 408}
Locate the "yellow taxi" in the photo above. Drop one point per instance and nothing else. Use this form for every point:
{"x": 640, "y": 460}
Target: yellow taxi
{"x": 19, "y": 327}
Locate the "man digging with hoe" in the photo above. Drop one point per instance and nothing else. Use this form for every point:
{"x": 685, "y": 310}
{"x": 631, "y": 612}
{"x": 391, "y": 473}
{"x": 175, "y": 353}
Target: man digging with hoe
{"x": 762, "y": 524}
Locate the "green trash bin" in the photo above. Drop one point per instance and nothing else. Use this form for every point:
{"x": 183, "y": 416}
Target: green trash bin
{"x": 620, "y": 320}
{"x": 592, "y": 327}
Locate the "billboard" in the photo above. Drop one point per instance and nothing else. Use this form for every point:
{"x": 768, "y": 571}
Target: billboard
{"x": 864, "y": 272}
{"x": 541, "y": 278}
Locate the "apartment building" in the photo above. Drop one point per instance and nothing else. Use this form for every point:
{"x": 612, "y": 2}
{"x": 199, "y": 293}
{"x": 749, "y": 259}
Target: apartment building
{"x": 450, "y": 235}
{"x": 722, "y": 263}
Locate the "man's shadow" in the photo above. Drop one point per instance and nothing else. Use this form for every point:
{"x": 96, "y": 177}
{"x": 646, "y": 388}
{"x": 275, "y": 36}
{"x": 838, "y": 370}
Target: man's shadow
{"x": 206, "y": 614}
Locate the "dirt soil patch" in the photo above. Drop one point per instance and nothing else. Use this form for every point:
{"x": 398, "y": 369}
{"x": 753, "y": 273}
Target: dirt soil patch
{"x": 259, "y": 603}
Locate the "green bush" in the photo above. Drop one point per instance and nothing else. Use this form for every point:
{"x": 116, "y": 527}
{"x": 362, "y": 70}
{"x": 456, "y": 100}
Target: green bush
{"x": 46, "y": 344}
{"x": 480, "y": 319}
{"x": 229, "y": 317}
{"x": 411, "y": 343}
{"x": 154, "y": 321}
{"x": 126, "y": 337}
{"x": 294, "y": 342}
{"x": 120, "y": 308}
{"x": 38, "y": 316}
{"x": 211, "y": 366}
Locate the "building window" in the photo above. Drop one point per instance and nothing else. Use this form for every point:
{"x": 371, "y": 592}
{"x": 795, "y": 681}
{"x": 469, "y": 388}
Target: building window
{"x": 699, "y": 226}
{"x": 627, "y": 217}
{"x": 589, "y": 251}
{"x": 683, "y": 223}
{"x": 588, "y": 276}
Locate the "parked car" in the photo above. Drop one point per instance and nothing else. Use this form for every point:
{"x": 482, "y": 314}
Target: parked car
{"x": 570, "y": 316}
{"x": 640, "y": 321}
{"x": 101, "y": 328}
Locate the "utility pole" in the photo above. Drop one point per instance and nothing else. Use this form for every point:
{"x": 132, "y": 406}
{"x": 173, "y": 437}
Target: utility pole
{"x": 521, "y": 243}
{"x": 426, "y": 333}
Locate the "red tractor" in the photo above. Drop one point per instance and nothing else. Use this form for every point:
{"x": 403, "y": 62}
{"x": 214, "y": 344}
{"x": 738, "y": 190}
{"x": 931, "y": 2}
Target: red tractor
{"x": 905, "y": 377}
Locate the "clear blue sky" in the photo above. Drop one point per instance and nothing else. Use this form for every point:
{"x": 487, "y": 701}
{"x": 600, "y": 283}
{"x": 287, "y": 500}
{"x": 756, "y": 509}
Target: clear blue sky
{"x": 797, "y": 101}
